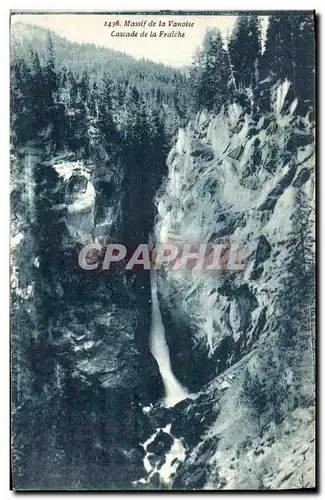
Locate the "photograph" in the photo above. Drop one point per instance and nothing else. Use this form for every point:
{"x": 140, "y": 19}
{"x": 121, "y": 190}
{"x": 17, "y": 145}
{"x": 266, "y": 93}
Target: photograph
{"x": 162, "y": 251}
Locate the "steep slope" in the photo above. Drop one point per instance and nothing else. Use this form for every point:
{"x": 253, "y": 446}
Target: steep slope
{"x": 80, "y": 339}
{"x": 97, "y": 61}
{"x": 82, "y": 158}
{"x": 241, "y": 342}
{"x": 245, "y": 180}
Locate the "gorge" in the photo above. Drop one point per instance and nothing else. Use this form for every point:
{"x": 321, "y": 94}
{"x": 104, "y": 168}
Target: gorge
{"x": 159, "y": 379}
{"x": 217, "y": 335}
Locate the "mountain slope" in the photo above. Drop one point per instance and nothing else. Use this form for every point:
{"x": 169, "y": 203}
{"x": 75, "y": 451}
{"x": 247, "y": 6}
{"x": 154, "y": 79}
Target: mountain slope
{"x": 238, "y": 180}
{"x": 80, "y": 57}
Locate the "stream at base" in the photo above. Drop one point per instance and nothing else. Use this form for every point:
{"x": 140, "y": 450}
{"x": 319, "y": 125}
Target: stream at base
{"x": 174, "y": 391}
{"x": 164, "y": 452}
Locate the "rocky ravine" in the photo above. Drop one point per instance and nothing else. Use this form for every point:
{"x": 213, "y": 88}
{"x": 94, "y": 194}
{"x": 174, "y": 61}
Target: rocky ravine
{"x": 246, "y": 180}
{"x": 241, "y": 342}
{"x": 81, "y": 360}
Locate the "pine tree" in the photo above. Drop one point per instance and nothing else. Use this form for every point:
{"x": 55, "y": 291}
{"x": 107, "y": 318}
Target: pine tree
{"x": 55, "y": 109}
{"x": 51, "y": 76}
{"x": 244, "y": 49}
{"x": 297, "y": 308}
{"x": 303, "y": 42}
{"x": 254, "y": 394}
{"x": 278, "y": 54}
{"x": 105, "y": 108}
{"x": 290, "y": 54}
{"x": 135, "y": 127}
{"x": 21, "y": 115}
{"x": 195, "y": 97}
{"x": 84, "y": 89}
{"x": 210, "y": 73}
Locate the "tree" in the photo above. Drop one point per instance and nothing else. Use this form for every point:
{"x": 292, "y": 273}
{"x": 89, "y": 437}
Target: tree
{"x": 84, "y": 89}
{"x": 244, "y": 49}
{"x": 51, "y": 76}
{"x": 303, "y": 41}
{"x": 290, "y": 53}
{"x": 209, "y": 73}
{"x": 104, "y": 110}
{"x": 21, "y": 115}
{"x": 254, "y": 394}
{"x": 278, "y": 54}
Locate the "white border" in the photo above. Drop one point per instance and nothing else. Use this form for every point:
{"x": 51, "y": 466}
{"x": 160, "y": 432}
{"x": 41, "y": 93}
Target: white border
{"x": 78, "y": 5}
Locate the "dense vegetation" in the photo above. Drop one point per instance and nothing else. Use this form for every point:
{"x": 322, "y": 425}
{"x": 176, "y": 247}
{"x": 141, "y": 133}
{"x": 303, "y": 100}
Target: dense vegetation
{"x": 241, "y": 71}
{"x": 70, "y": 89}
{"x": 76, "y": 89}
{"x": 121, "y": 115}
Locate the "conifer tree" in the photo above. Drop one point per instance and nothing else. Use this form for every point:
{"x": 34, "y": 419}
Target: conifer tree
{"x": 278, "y": 55}
{"x": 244, "y": 49}
{"x": 51, "y": 76}
{"x": 210, "y": 73}
{"x": 289, "y": 53}
{"x": 303, "y": 41}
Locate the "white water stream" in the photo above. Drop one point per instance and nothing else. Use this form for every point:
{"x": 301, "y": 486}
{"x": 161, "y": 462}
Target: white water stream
{"x": 174, "y": 391}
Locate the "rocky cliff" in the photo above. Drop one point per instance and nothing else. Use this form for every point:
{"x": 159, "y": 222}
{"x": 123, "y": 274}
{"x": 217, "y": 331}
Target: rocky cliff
{"x": 245, "y": 337}
{"x": 80, "y": 349}
{"x": 87, "y": 392}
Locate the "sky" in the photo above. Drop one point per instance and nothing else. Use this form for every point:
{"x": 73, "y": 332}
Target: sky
{"x": 176, "y": 52}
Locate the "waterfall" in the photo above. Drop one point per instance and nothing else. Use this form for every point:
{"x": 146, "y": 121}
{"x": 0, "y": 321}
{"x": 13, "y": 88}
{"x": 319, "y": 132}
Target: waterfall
{"x": 174, "y": 391}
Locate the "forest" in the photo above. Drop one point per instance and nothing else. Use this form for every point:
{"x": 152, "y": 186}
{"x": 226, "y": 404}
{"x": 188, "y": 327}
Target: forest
{"x": 81, "y": 363}
{"x": 68, "y": 90}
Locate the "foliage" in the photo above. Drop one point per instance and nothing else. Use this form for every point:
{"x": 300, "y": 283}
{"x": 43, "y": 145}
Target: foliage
{"x": 290, "y": 53}
{"x": 240, "y": 71}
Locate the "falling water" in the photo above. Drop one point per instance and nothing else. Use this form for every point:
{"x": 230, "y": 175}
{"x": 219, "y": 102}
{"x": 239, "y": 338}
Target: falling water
{"x": 174, "y": 391}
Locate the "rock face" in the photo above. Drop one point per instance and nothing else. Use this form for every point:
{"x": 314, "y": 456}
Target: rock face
{"x": 247, "y": 335}
{"x": 87, "y": 393}
{"x": 80, "y": 338}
